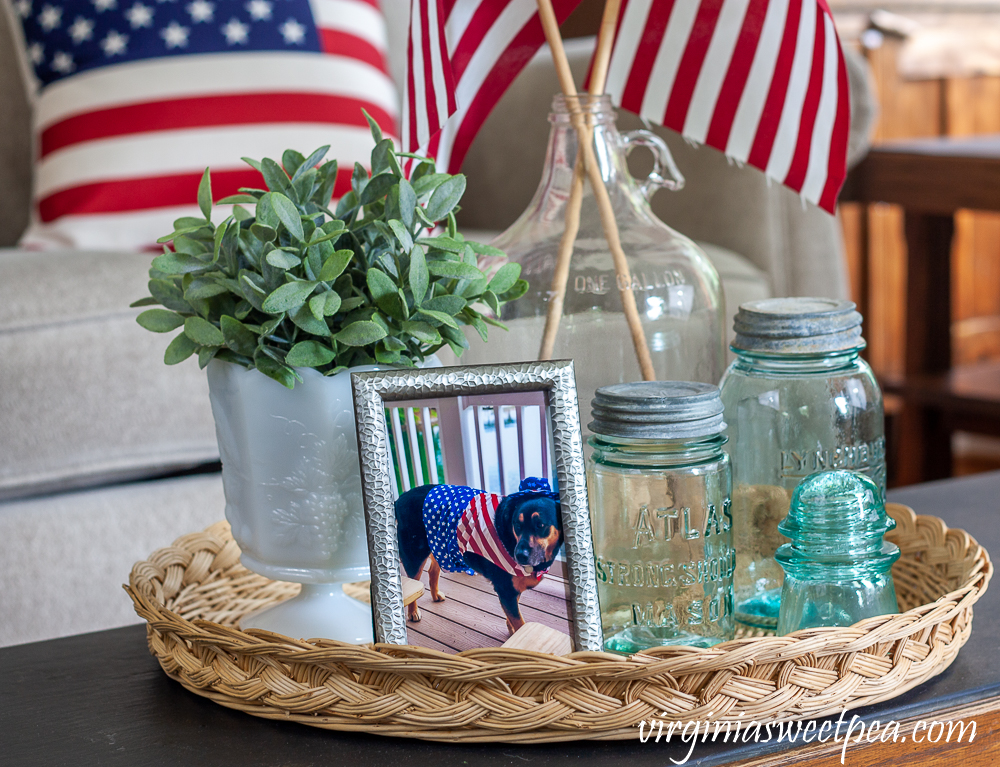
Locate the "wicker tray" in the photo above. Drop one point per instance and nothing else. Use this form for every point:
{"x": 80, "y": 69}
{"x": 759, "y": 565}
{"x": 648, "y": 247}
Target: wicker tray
{"x": 193, "y": 593}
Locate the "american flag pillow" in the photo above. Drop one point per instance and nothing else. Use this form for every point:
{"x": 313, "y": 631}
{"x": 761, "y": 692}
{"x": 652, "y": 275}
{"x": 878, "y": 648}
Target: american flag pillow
{"x": 133, "y": 99}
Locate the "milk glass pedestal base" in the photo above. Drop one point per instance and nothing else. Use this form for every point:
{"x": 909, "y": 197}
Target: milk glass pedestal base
{"x": 293, "y": 495}
{"x": 319, "y": 611}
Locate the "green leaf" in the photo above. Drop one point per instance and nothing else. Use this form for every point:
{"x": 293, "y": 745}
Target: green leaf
{"x": 266, "y": 214}
{"x": 519, "y": 289}
{"x": 445, "y": 198}
{"x": 350, "y": 304}
{"x": 252, "y": 163}
{"x": 455, "y": 338}
{"x": 160, "y": 320}
{"x": 477, "y": 322}
{"x": 419, "y": 276}
{"x": 179, "y": 349}
{"x": 292, "y": 160}
{"x": 443, "y": 243}
{"x": 311, "y": 162}
{"x": 325, "y": 304}
{"x": 282, "y": 260}
{"x": 235, "y": 199}
{"x": 203, "y": 332}
{"x": 407, "y": 203}
{"x": 334, "y": 266}
{"x": 361, "y": 333}
{"x": 376, "y": 130}
{"x": 454, "y": 270}
{"x": 203, "y": 287}
{"x": 242, "y": 214}
{"x": 289, "y": 296}
{"x": 147, "y": 301}
{"x": 205, "y": 195}
{"x": 423, "y": 332}
{"x": 169, "y": 295}
{"x": 380, "y": 284}
{"x": 380, "y": 156}
{"x": 428, "y": 183}
{"x": 491, "y": 300}
{"x": 238, "y": 336}
{"x": 275, "y": 178}
{"x": 377, "y": 188}
{"x": 485, "y": 250}
{"x": 404, "y": 237}
{"x": 274, "y": 369}
{"x": 263, "y": 233}
{"x": 303, "y": 318}
{"x": 447, "y": 303}
{"x": 288, "y": 214}
{"x": 505, "y": 278}
{"x": 205, "y": 355}
{"x": 178, "y": 263}
{"x": 327, "y": 232}
{"x": 309, "y": 354}
{"x": 393, "y": 344}
{"x": 444, "y": 319}
{"x": 495, "y": 323}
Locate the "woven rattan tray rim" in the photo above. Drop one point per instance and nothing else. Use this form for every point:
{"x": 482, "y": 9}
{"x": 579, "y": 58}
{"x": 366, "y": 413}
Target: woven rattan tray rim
{"x": 496, "y": 694}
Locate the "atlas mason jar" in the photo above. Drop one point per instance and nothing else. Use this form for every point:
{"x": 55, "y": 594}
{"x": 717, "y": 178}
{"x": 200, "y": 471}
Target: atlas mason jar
{"x": 659, "y": 486}
{"x": 798, "y": 399}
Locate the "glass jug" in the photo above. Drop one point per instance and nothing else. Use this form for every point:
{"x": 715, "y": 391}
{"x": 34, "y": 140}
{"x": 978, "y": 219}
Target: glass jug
{"x": 676, "y": 288}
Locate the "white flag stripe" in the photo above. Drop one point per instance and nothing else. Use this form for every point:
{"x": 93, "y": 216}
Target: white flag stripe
{"x": 826, "y": 116}
{"x": 713, "y": 72}
{"x": 209, "y": 75}
{"x": 623, "y": 54}
{"x": 418, "y": 75}
{"x": 106, "y": 231}
{"x": 787, "y": 136}
{"x": 758, "y": 83}
{"x": 352, "y": 16}
{"x": 456, "y": 24}
{"x": 437, "y": 65}
{"x": 668, "y": 58}
{"x": 189, "y": 151}
{"x": 507, "y": 25}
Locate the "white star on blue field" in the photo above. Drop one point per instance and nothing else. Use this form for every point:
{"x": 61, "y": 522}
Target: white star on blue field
{"x": 64, "y": 38}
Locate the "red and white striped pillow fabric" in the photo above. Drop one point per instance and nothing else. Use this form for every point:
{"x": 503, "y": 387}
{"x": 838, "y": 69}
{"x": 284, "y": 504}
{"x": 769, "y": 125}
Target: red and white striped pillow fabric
{"x": 133, "y": 99}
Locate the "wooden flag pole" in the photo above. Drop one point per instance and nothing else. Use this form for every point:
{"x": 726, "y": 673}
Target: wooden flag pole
{"x": 590, "y": 166}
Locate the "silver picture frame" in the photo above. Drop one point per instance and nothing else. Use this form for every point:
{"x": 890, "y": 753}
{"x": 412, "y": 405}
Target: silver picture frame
{"x": 372, "y": 390}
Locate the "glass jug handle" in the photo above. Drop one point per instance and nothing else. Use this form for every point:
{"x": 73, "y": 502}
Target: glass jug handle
{"x": 662, "y": 161}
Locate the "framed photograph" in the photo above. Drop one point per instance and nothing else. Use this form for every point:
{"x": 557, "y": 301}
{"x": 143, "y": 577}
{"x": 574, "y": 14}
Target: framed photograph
{"x": 476, "y": 505}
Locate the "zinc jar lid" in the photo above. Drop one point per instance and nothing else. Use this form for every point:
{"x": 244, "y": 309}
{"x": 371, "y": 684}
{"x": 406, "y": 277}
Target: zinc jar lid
{"x": 797, "y": 326}
{"x": 657, "y": 410}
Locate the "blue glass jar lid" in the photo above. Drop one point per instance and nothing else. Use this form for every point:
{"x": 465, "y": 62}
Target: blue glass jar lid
{"x": 797, "y": 326}
{"x": 657, "y": 410}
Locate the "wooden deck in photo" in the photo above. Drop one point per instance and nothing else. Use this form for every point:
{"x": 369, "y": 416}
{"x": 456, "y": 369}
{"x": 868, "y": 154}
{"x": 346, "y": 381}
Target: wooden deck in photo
{"x": 471, "y": 615}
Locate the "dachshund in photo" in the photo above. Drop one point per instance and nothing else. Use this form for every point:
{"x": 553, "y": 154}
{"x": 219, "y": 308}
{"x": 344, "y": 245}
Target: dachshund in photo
{"x": 512, "y": 541}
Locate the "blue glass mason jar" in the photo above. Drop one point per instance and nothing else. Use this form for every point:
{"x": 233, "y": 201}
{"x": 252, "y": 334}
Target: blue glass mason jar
{"x": 659, "y": 486}
{"x": 798, "y": 399}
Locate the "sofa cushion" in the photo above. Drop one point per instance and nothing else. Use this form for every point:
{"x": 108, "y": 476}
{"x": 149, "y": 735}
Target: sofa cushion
{"x": 86, "y": 396}
{"x": 63, "y": 558}
{"x": 132, "y": 101}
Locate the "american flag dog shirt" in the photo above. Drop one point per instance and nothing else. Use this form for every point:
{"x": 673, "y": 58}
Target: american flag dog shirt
{"x": 460, "y": 519}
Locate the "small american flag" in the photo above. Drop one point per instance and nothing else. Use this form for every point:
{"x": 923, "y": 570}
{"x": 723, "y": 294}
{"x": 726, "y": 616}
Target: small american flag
{"x": 134, "y": 98}
{"x": 762, "y": 80}
{"x": 462, "y": 56}
{"x": 478, "y": 534}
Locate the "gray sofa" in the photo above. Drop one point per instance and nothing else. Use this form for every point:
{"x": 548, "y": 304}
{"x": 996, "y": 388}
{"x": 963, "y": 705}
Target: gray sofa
{"x": 93, "y": 425}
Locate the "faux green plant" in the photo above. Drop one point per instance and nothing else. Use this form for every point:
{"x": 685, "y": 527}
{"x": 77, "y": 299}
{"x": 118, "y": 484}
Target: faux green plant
{"x": 294, "y": 284}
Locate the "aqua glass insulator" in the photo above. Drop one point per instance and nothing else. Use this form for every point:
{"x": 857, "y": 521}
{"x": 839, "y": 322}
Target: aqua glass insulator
{"x": 838, "y": 567}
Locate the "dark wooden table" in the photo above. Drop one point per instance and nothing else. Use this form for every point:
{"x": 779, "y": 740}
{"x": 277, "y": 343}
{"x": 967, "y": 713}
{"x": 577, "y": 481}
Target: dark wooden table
{"x": 100, "y": 699}
{"x": 931, "y": 179}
